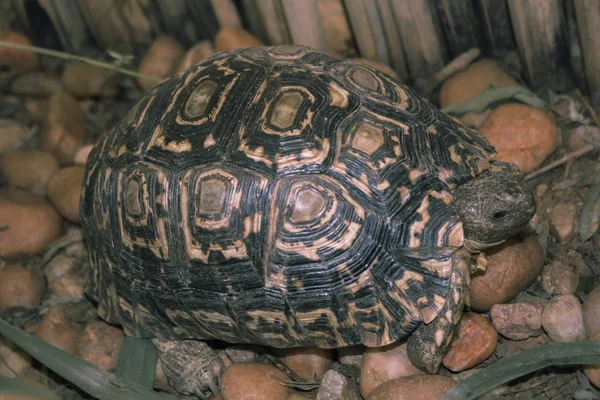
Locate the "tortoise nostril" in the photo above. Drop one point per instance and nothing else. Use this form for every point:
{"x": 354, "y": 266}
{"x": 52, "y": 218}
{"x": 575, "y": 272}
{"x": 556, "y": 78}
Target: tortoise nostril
{"x": 499, "y": 215}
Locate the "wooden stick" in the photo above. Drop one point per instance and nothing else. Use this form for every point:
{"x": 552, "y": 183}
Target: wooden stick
{"x": 585, "y": 150}
{"x": 429, "y": 85}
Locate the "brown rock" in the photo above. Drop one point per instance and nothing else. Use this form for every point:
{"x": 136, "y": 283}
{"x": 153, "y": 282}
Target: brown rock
{"x": 198, "y": 53}
{"x": 563, "y": 221}
{"x": 310, "y": 363}
{"x": 593, "y": 371}
{"x": 29, "y": 222}
{"x": 68, "y": 286}
{"x": 334, "y": 386}
{"x": 419, "y": 387}
{"x": 506, "y": 348}
{"x": 474, "y": 341}
{"x": 582, "y": 136}
{"x": 235, "y": 38}
{"x": 251, "y": 381}
{"x": 85, "y": 80}
{"x": 12, "y": 135}
{"x": 82, "y": 154}
{"x": 29, "y": 169}
{"x": 64, "y": 130}
{"x": 99, "y": 344}
{"x": 563, "y": 319}
{"x": 38, "y": 109}
{"x": 473, "y": 80}
{"x": 36, "y": 83}
{"x": 58, "y": 266}
{"x": 13, "y": 360}
{"x": 512, "y": 267}
{"x": 377, "y": 65}
{"x": 12, "y": 60}
{"x": 560, "y": 278}
{"x": 160, "y": 61}
{"x": 521, "y": 134}
{"x": 243, "y": 352}
{"x": 350, "y": 355}
{"x": 58, "y": 330}
{"x": 20, "y": 287}
{"x": 383, "y": 364}
{"x": 591, "y": 312}
{"x": 64, "y": 190}
{"x": 517, "y": 321}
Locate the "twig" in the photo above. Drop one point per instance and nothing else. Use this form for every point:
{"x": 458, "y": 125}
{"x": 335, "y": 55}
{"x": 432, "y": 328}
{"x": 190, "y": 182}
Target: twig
{"x": 587, "y": 149}
{"x": 589, "y": 107}
{"x": 67, "y": 56}
{"x": 429, "y": 85}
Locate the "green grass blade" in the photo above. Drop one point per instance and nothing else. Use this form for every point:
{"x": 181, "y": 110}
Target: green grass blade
{"x": 486, "y": 99}
{"x": 24, "y": 387}
{"x": 137, "y": 362}
{"x": 524, "y": 363}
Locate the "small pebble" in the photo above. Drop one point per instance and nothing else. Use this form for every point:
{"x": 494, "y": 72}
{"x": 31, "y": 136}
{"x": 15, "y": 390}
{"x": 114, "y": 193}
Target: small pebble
{"x": 195, "y": 55}
{"x": 473, "y": 80}
{"x": 383, "y": 364}
{"x": 68, "y": 286}
{"x": 64, "y": 129}
{"x": 563, "y": 319}
{"x": 13, "y": 135}
{"x": 81, "y": 156}
{"x": 582, "y": 136}
{"x": 38, "y": 109}
{"x": 517, "y": 321}
{"x": 334, "y": 386}
{"x": 512, "y": 267}
{"x": 20, "y": 287}
{"x": 235, "y": 38}
{"x": 251, "y": 381}
{"x": 64, "y": 190}
{"x": 163, "y": 56}
{"x": 29, "y": 169}
{"x": 593, "y": 371}
{"x": 309, "y": 363}
{"x": 377, "y": 65}
{"x": 350, "y": 355}
{"x": 243, "y": 352}
{"x": 13, "y": 60}
{"x": 99, "y": 344}
{"x": 474, "y": 341}
{"x": 419, "y": 387}
{"x": 591, "y": 312}
{"x": 77, "y": 250}
{"x": 560, "y": 278}
{"x": 36, "y": 83}
{"x": 563, "y": 221}
{"x": 521, "y": 134}
{"x": 85, "y": 80}
{"x": 58, "y": 330}
{"x": 29, "y": 222}
{"x": 13, "y": 360}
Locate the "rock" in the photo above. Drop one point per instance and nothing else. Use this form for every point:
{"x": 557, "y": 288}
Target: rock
{"x": 243, "y": 352}
{"x": 68, "y": 286}
{"x": 29, "y": 222}
{"x": 419, "y": 387}
{"x": 474, "y": 341}
{"x": 309, "y": 363}
{"x": 521, "y": 134}
{"x": 160, "y": 61}
{"x": 19, "y": 287}
{"x": 29, "y": 169}
{"x": 593, "y": 371}
{"x": 38, "y": 109}
{"x": 198, "y": 53}
{"x": 82, "y": 154}
{"x": 251, "y": 381}
{"x": 350, "y": 355}
{"x": 64, "y": 190}
{"x": 58, "y": 330}
{"x": 64, "y": 130}
{"x": 77, "y": 250}
{"x": 563, "y": 221}
{"x": 334, "y": 386}
{"x": 560, "y": 278}
{"x": 591, "y": 312}
{"x": 517, "y": 321}
{"x": 235, "y": 38}
{"x": 36, "y": 83}
{"x": 582, "y": 136}
{"x": 473, "y": 80}
{"x": 383, "y": 364}
{"x": 377, "y": 65}
{"x": 563, "y": 319}
{"x": 12, "y": 60}
{"x": 13, "y": 135}
{"x": 512, "y": 267}
{"x": 13, "y": 360}
{"x": 507, "y": 348}
{"x": 85, "y": 80}
{"x": 99, "y": 344}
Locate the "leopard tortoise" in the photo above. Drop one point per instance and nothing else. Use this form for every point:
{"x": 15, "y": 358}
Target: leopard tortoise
{"x": 284, "y": 197}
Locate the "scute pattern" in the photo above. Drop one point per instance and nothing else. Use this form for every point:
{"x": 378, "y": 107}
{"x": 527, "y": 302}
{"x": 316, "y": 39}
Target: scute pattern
{"x": 277, "y": 196}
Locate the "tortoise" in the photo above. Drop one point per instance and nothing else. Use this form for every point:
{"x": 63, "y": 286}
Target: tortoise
{"x": 285, "y": 197}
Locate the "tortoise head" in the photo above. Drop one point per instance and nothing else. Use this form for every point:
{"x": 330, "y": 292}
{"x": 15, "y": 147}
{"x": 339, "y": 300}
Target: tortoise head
{"x": 493, "y": 206}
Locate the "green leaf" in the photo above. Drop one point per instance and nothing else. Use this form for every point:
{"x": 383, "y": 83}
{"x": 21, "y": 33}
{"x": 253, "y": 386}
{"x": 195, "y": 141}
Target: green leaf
{"x": 137, "y": 361}
{"x": 494, "y": 96}
{"x": 590, "y": 214}
{"x": 81, "y": 373}
{"x": 523, "y": 363}
{"x": 26, "y": 387}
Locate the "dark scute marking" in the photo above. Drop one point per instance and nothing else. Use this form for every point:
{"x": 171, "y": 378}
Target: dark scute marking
{"x": 365, "y": 78}
{"x": 285, "y": 109}
{"x": 213, "y": 193}
{"x": 199, "y": 99}
{"x": 368, "y": 138}
{"x": 308, "y": 204}
{"x": 133, "y": 194}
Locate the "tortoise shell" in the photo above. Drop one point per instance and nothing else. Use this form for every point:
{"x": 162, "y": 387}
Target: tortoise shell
{"x": 277, "y": 196}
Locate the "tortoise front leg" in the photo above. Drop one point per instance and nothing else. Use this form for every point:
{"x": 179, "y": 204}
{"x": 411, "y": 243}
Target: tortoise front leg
{"x": 191, "y": 366}
{"x": 429, "y": 343}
